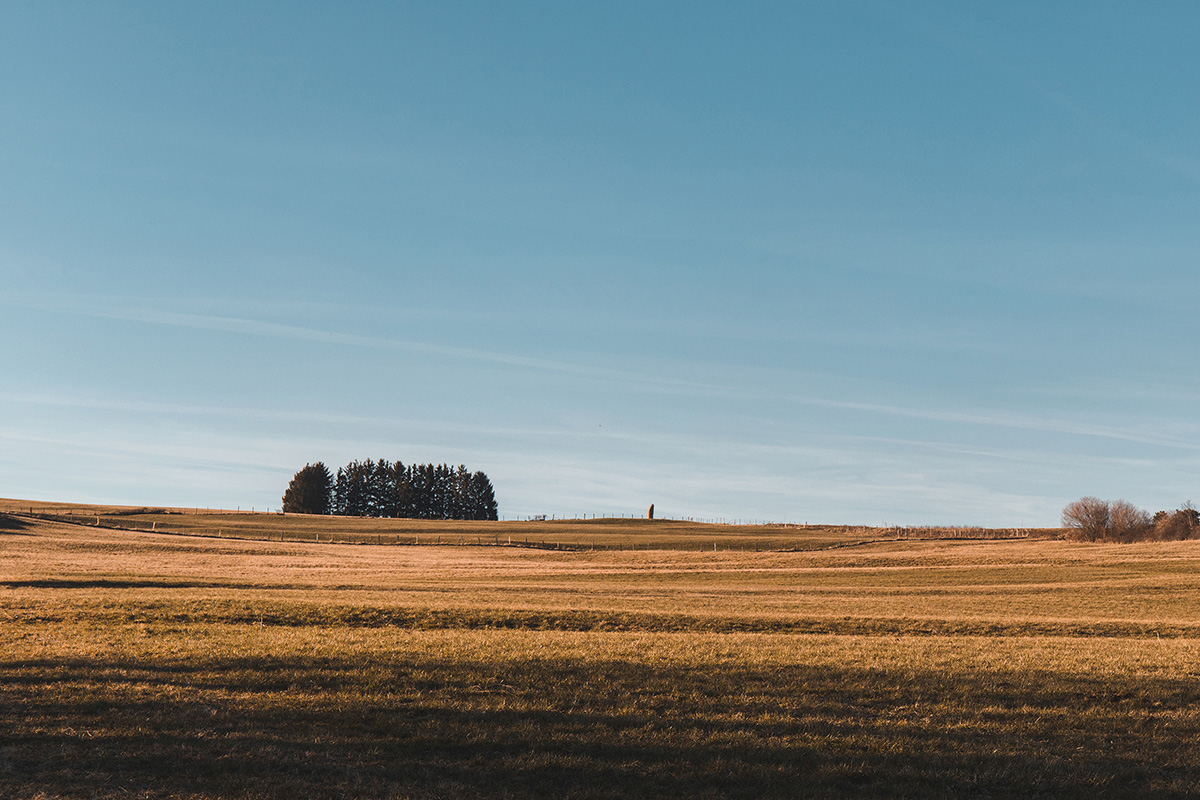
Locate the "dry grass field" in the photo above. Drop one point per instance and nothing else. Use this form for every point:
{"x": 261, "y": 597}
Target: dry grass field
{"x": 823, "y": 662}
{"x": 590, "y": 534}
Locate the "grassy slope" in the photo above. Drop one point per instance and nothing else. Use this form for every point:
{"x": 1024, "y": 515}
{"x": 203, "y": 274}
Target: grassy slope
{"x": 142, "y": 664}
{"x": 600, "y": 534}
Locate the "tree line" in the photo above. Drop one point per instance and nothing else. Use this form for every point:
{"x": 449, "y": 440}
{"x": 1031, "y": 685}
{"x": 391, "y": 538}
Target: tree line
{"x": 1094, "y": 520}
{"x": 391, "y": 489}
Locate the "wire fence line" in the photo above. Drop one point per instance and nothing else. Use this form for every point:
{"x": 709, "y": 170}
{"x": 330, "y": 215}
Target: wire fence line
{"x": 768, "y": 537}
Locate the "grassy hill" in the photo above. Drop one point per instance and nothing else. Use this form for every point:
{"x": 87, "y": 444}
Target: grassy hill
{"x": 600, "y": 534}
{"x": 158, "y": 665}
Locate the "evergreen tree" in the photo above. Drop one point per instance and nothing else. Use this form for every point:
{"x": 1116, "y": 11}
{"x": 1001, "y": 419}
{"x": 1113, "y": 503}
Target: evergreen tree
{"x": 310, "y": 491}
{"x": 391, "y": 489}
{"x": 460, "y": 494}
{"x": 440, "y": 502}
{"x": 406, "y": 501}
{"x": 383, "y": 489}
{"x": 483, "y": 498}
{"x": 423, "y": 491}
{"x": 377, "y": 487}
{"x": 339, "y": 492}
{"x": 352, "y": 489}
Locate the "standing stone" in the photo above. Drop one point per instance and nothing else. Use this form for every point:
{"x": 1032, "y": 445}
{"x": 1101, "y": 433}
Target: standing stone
{"x": 650, "y": 513}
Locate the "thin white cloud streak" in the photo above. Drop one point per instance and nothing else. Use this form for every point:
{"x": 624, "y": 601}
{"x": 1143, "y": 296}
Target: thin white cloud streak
{"x": 163, "y": 449}
{"x": 259, "y": 328}
{"x": 253, "y": 327}
{"x": 374, "y": 423}
{"x": 1094, "y": 390}
{"x": 274, "y": 330}
{"x": 850, "y": 479}
{"x": 179, "y": 409}
{"x": 1034, "y": 458}
{"x": 995, "y": 420}
{"x": 1004, "y": 420}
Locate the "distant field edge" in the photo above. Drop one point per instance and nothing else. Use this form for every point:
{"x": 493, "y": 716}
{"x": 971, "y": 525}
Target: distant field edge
{"x": 568, "y": 533}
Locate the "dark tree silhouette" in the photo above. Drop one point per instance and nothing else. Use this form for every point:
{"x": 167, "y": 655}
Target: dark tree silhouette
{"x": 483, "y": 498}
{"x": 419, "y": 491}
{"x": 309, "y": 491}
{"x": 351, "y": 490}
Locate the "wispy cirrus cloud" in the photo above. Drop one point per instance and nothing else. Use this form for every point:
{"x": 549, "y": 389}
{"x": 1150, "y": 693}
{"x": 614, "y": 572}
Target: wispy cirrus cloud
{"x": 1179, "y": 436}
{"x": 1000, "y": 419}
{"x": 116, "y": 309}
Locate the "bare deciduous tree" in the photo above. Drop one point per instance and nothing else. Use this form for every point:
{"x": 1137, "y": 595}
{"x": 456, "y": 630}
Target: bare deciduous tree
{"x": 1127, "y": 522}
{"x": 1086, "y": 518}
{"x": 1183, "y": 523}
{"x": 1094, "y": 520}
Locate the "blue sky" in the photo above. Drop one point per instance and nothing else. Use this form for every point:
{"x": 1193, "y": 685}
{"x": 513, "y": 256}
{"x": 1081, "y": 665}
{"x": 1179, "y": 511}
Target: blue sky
{"x": 860, "y": 262}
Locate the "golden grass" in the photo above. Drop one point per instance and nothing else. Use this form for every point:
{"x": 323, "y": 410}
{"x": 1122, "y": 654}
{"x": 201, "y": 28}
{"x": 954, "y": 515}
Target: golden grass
{"x": 589, "y": 534}
{"x": 139, "y": 664}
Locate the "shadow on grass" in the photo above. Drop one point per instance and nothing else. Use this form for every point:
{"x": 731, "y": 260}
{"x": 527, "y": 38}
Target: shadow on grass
{"x": 128, "y": 583}
{"x": 329, "y": 727}
{"x": 10, "y": 524}
{"x": 300, "y": 614}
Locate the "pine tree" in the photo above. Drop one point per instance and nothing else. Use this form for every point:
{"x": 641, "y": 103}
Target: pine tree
{"x": 310, "y": 491}
{"x": 352, "y": 490}
{"x": 442, "y": 492}
{"x": 422, "y": 485}
{"x": 484, "y": 497}
{"x": 391, "y": 489}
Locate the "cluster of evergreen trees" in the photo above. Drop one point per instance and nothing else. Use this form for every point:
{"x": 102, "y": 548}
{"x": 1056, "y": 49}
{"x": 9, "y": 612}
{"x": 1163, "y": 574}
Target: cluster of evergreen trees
{"x": 390, "y": 489}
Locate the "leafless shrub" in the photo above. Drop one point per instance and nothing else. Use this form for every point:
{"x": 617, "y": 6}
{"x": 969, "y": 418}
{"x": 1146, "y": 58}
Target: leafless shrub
{"x": 1128, "y": 523}
{"x": 1094, "y": 520}
{"x": 1183, "y": 523}
{"x": 1086, "y": 519}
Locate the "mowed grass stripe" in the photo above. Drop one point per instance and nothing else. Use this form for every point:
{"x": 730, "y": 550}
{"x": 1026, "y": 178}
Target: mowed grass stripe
{"x": 319, "y": 615}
